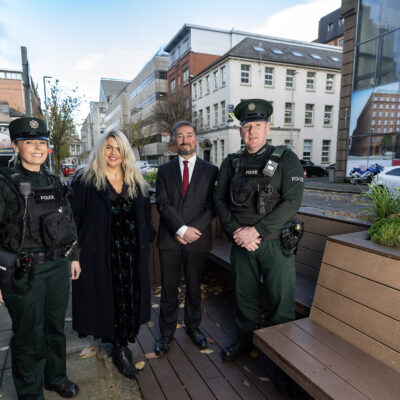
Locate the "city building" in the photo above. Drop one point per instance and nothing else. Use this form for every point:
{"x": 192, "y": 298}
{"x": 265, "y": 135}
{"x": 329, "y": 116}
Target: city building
{"x": 110, "y": 88}
{"x": 12, "y": 106}
{"x": 302, "y": 80}
{"x": 93, "y": 126}
{"x": 369, "y": 125}
{"x": 138, "y": 102}
{"x": 12, "y": 97}
{"x": 76, "y": 154}
{"x": 331, "y": 28}
{"x": 381, "y": 117}
{"x": 194, "y": 48}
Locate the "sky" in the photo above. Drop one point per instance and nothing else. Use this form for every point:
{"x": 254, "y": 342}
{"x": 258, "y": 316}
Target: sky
{"x": 79, "y": 42}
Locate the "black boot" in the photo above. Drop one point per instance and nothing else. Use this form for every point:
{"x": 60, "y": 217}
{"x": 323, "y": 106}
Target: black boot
{"x": 123, "y": 362}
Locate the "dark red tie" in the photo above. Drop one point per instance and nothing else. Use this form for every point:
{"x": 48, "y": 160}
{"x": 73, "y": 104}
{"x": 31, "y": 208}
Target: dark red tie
{"x": 185, "y": 177}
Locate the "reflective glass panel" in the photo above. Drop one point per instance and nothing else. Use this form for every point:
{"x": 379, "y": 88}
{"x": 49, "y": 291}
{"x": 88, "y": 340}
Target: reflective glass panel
{"x": 365, "y": 64}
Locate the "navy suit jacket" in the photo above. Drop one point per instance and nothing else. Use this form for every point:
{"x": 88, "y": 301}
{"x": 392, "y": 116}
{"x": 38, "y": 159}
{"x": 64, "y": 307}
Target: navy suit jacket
{"x": 196, "y": 209}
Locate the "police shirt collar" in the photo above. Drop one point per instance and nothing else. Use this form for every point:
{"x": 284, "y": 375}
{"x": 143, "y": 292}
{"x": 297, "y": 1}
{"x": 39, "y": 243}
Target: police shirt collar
{"x": 259, "y": 152}
{"x": 29, "y": 172}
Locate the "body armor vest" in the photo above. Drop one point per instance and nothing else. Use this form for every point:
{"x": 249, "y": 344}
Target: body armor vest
{"x": 251, "y": 194}
{"x": 48, "y": 217}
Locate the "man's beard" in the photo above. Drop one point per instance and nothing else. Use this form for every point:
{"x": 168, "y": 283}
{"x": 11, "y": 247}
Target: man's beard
{"x": 188, "y": 152}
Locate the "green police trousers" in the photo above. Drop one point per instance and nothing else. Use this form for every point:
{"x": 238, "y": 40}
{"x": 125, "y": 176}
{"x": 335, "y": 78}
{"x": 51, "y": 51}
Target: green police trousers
{"x": 38, "y": 346}
{"x": 279, "y": 283}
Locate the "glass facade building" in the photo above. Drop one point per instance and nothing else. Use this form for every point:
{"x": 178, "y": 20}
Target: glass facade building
{"x": 374, "y": 135}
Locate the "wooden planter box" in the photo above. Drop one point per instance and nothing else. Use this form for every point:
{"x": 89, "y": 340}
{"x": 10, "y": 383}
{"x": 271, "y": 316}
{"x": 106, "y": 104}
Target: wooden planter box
{"x": 360, "y": 284}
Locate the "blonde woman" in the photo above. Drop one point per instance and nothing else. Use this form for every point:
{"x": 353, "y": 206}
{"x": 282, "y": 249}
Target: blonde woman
{"x": 113, "y": 216}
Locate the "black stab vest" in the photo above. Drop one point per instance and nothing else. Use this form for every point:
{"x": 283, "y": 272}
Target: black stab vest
{"x": 250, "y": 187}
{"x": 48, "y": 218}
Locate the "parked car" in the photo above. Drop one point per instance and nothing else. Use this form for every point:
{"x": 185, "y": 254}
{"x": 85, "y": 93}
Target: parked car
{"x": 145, "y": 166}
{"x": 390, "y": 177}
{"x": 68, "y": 169}
{"x": 142, "y": 164}
{"x": 312, "y": 169}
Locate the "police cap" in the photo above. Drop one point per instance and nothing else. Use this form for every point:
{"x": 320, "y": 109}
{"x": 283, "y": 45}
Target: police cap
{"x": 253, "y": 110}
{"x": 26, "y": 128}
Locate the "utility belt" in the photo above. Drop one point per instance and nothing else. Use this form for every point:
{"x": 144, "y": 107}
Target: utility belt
{"x": 14, "y": 266}
{"x": 44, "y": 256}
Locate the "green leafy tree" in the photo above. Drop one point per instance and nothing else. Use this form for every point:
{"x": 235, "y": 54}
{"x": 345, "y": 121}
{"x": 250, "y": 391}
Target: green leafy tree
{"x": 61, "y": 108}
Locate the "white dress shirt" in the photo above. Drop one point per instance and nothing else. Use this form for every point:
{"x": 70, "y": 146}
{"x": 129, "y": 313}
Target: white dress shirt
{"x": 191, "y": 161}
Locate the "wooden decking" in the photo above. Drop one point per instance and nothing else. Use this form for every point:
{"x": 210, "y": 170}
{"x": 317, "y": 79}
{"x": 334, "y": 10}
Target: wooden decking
{"x": 186, "y": 373}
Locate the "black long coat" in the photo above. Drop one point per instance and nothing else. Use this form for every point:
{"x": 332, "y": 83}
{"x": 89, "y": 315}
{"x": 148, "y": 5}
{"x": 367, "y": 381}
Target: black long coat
{"x": 92, "y": 293}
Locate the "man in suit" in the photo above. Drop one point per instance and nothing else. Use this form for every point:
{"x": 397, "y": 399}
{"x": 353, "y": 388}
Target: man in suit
{"x": 184, "y": 195}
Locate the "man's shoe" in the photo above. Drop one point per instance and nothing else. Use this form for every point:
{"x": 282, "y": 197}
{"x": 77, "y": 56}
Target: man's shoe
{"x": 162, "y": 345}
{"x": 198, "y": 337}
{"x": 234, "y": 351}
{"x": 121, "y": 360}
{"x": 67, "y": 389}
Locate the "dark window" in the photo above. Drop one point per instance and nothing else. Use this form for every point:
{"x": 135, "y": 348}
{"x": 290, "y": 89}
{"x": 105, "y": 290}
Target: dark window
{"x": 395, "y": 172}
{"x": 162, "y": 74}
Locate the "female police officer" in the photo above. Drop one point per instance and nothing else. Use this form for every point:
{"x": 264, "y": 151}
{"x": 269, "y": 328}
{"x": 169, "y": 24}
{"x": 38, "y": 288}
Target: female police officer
{"x": 37, "y": 226}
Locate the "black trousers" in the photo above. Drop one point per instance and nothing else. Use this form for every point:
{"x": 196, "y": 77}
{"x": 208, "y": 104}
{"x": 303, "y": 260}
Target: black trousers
{"x": 193, "y": 264}
{"x": 38, "y": 345}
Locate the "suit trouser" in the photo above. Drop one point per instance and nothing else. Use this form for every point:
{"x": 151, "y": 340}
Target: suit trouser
{"x": 38, "y": 346}
{"x": 193, "y": 264}
{"x": 279, "y": 282}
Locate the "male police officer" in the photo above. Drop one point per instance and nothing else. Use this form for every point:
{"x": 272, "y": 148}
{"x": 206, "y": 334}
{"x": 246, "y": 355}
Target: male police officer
{"x": 37, "y": 226}
{"x": 258, "y": 193}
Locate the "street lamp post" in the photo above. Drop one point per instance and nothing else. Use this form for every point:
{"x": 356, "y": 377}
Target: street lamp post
{"x": 47, "y": 113}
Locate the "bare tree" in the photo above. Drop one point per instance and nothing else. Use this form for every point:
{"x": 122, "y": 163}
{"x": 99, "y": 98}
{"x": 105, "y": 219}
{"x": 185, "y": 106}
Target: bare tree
{"x": 61, "y": 125}
{"x": 175, "y": 108}
{"x": 139, "y": 134}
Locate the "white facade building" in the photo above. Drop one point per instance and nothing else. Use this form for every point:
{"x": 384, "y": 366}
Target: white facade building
{"x": 205, "y": 40}
{"x": 287, "y": 73}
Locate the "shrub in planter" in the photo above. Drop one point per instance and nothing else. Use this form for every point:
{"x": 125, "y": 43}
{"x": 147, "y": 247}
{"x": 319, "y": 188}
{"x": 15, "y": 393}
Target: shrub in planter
{"x": 151, "y": 177}
{"x": 384, "y": 202}
{"x": 386, "y": 231}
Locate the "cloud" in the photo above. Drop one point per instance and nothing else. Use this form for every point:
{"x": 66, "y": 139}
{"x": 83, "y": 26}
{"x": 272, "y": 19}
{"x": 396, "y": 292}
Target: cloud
{"x": 114, "y": 63}
{"x": 299, "y": 22}
{"x": 88, "y": 62}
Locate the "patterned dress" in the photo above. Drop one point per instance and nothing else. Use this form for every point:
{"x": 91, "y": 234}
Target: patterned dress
{"x": 125, "y": 279}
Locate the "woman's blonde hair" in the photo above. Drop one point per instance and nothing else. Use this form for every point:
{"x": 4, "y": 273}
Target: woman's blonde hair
{"x": 95, "y": 171}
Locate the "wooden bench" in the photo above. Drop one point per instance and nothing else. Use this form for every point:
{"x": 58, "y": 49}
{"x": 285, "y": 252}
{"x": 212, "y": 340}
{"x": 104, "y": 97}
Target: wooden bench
{"x": 349, "y": 347}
